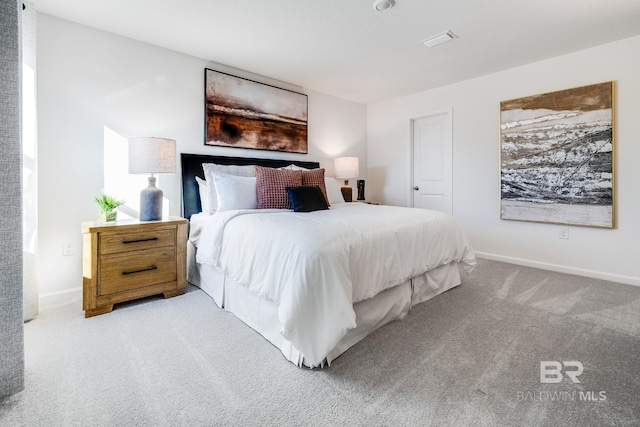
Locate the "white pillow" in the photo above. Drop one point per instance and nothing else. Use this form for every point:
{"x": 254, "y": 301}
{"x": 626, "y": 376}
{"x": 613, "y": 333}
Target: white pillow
{"x": 203, "y": 191}
{"x": 333, "y": 191}
{"x": 211, "y": 168}
{"x": 235, "y": 192}
{"x": 297, "y": 168}
{"x": 294, "y": 168}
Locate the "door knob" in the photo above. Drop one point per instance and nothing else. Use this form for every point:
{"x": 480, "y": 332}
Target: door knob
{"x": 416, "y": 188}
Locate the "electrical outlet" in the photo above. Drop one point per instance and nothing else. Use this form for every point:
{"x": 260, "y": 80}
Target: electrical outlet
{"x": 564, "y": 233}
{"x": 67, "y": 248}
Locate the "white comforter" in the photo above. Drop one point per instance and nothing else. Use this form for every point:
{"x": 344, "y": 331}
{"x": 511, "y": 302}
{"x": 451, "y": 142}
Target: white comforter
{"x": 317, "y": 265}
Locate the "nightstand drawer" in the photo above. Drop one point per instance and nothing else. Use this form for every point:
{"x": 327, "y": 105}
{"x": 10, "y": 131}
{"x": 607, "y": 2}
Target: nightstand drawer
{"x": 123, "y": 242}
{"x": 122, "y": 273}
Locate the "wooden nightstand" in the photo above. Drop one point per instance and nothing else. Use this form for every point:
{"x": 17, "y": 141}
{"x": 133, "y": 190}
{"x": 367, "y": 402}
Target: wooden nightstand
{"x": 131, "y": 259}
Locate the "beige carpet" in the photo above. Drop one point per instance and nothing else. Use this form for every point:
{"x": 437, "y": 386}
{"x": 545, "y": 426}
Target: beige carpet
{"x": 468, "y": 357}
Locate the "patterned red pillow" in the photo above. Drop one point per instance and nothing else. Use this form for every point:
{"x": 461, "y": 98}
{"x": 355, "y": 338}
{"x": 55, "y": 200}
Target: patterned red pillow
{"x": 271, "y": 186}
{"x": 315, "y": 177}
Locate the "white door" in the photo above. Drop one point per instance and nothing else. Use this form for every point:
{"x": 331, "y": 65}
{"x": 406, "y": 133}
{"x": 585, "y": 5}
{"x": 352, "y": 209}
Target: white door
{"x": 431, "y": 138}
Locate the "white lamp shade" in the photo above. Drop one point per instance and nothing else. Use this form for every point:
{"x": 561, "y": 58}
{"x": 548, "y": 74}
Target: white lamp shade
{"x": 347, "y": 167}
{"x": 152, "y": 155}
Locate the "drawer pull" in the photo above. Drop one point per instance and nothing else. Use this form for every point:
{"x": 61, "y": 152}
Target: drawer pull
{"x": 153, "y": 267}
{"x": 139, "y": 240}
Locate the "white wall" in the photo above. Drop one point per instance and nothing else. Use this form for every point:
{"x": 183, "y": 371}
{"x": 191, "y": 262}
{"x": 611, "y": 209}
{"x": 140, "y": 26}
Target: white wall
{"x": 96, "y": 88}
{"x": 610, "y": 254}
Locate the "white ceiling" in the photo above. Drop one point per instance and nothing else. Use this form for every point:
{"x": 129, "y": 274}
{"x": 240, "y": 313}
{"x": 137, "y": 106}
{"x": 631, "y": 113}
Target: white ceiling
{"x": 346, "y": 49}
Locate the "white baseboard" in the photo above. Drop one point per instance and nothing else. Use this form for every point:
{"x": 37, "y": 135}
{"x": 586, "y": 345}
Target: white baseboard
{"x": 562, "y": 269}
{"x": 60, "y": 297}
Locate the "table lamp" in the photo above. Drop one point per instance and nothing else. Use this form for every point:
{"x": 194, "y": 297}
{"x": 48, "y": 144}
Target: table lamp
{"x": 347, "y": 168}
{"x": 151, "y": 155}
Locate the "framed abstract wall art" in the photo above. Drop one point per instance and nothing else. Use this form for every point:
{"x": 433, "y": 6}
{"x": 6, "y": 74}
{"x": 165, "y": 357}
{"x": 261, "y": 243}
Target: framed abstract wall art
{"x": 246, "y": 114}
{"x": 557, "y": 157}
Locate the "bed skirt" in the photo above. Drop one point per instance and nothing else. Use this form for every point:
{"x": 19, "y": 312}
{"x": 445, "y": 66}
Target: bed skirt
{"x": 262, "y": 315}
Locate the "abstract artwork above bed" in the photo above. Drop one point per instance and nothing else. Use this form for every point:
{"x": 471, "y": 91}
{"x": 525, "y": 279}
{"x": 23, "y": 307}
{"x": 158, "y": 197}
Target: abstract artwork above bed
{"x": 246, "y": 114}
{"x": 557, "y": 157}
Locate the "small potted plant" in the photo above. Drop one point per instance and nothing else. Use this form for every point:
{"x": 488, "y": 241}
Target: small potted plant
{"x": 107, "y": 205}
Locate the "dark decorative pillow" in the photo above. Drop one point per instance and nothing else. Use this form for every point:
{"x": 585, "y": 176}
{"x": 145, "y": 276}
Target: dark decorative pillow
{"x": 315, "y": 177}
{"x": 271, "y": 186}
{"x": 307, "y": 198}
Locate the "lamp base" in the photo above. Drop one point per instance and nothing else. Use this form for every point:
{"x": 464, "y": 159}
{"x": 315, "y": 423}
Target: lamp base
{"x": 151, "y": 202}
{"x": 347, "y": 191}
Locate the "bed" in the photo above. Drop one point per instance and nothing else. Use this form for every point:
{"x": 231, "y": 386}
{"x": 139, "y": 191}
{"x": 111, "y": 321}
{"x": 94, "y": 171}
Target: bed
{"x": 316, "y": 283}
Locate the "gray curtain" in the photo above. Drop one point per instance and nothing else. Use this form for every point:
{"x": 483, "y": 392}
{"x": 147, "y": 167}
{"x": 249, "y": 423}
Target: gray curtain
{"x": 11, "y": 318}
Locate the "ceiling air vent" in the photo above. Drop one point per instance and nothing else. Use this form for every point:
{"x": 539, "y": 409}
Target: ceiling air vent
{"x": 439, "y": 39}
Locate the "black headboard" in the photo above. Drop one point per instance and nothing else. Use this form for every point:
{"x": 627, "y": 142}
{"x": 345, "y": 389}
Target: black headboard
{"x": 192, "y": 167}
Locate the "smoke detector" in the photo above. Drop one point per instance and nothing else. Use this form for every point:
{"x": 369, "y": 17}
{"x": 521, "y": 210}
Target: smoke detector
{"x": 382, "y": 5}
